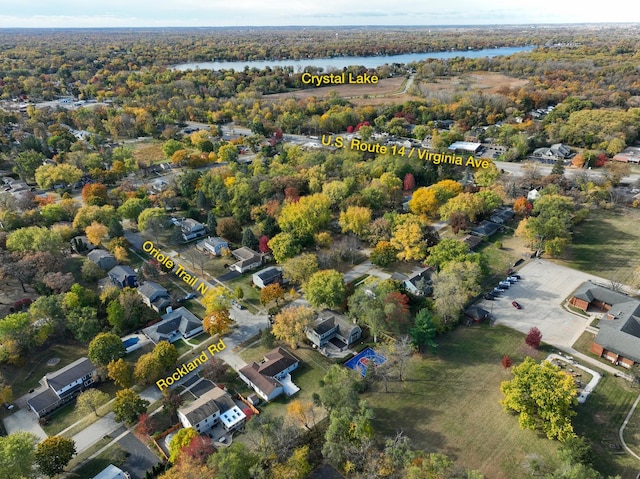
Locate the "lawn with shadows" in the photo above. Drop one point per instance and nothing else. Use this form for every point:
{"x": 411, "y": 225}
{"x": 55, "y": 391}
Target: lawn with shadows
{"x": 450, "y": 404}
{"x": 606, "y": 244}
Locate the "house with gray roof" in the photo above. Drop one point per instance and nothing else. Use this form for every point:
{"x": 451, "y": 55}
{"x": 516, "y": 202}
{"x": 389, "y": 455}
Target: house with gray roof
{"x": 175, "y": 325}
{"x": 123, "y": 276}
{"x": 247, "y": 259}
{"x": 331, "y": 327}
{"x": 102, "y": 258}
{"x": 213, "y": 245}
{"x": 63, "y": 385}
{"x": 485, "y": 229}
{"x": 192, "y": 229}
{"x": 272, "y": 376}
{"x": 618, "y": 338}
{"x": 155, "y": 296}
{"x": 214, "y": 407}
{"x": 267, "y": 276}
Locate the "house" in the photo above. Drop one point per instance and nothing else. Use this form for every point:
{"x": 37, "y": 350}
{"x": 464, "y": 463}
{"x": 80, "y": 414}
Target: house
{"x": 123, "y": 276}
{"x": 155, "y": 296}
{"x": 272, "y": 376}
{"x": 213, "y": 407}
{"x": 618, "y": 338}
{"x": 485, "y": 229}
{"x": 502, "y": 216}
{"x": 213, "y": 245}
{"x": 330, "y": 327}
{"x": 471, "y": 241}
{"x": 555, "y": 152}
{"x": 175, "y": 325}
{"x": 419, "y": 282}
{"x": 475, "y": 314}
{"x": 465, "y": 147}
{"x": 81, "y": 244}
{"x": 267, "y": 276}
{"x": 192, "y": 229}
{"x": 112, "y": 472}
{"x": 630, "y": 154}
{"x": 63, "y": 386}
{"x": 102, "y": 258}
{"x": 247, "y": 259}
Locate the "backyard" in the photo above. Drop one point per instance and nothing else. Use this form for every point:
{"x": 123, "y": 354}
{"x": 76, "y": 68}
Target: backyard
{"x": 450, "y": 403}
{"x": 606, "y": 244}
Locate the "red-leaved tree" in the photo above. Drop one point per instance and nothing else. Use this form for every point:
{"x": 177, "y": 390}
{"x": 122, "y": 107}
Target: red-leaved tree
{"x": 409, "y": 182}
{"x": 506, "y": 362}
{"x": 199, "y": 449}
{"x": 146, "y": 424}
{"x": 263, "y": 244}
{"x": 534, "y": 338}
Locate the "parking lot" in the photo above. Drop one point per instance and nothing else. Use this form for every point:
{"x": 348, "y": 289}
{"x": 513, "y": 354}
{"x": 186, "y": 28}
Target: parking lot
{"x": 543, "y": 287}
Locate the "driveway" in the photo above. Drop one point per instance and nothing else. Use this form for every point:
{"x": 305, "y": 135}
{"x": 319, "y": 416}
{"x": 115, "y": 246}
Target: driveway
{"x": 24, "y": 420}
{"x": 139, "y": 458}
{"x": 543, "y": 287}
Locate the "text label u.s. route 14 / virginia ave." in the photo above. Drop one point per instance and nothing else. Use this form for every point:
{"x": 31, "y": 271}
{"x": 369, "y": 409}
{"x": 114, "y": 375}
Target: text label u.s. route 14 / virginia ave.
{"x": 179, "y": 270}
{"x": 421, "y": 153}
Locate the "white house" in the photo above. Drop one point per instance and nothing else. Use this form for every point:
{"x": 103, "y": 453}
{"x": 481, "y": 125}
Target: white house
{"x": 192, "y": 229}
{"x": 213, "y": 245}
{"x": 213, "y": 407}
{"x": 267, "y": 276}
{"x": 330, "y": 326}
{"x": 175, "y": 325}
{"x": 247, "y": 259}
{"x": 271, "y": 377}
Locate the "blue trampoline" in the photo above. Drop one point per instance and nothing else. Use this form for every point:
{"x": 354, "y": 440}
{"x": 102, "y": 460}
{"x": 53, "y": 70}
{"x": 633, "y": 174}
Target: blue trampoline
{"x": 363, "y": 359}
{"x": 127, "y": 343}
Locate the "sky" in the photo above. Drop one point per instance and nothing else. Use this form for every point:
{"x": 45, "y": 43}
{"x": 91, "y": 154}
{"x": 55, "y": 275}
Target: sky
{"x": 221, "y": 13}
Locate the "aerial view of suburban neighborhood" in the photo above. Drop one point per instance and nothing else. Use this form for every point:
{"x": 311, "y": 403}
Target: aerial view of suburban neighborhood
{"x": 319, "y": 241}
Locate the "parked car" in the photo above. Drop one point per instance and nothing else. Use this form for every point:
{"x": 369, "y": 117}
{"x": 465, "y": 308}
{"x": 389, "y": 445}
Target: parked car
{"x": 504, "y": 284}
{"x": 516, "y": 276}
{"x": 511, "y": 279}
{"x": 237, "y": 305}
{"x": 498, "y": 290}
{"x": 516, "y": 305}
{"x": 189, "y": 296}
{"x": 489, "y": 296}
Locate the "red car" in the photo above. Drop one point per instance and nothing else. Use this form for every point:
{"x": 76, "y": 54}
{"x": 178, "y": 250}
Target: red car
{"x": 516, "y": 305}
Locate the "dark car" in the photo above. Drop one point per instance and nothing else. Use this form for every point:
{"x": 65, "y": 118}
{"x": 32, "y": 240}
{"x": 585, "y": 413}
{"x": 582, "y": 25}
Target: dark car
{"x": 489, "y": 296}
{"x": 516, "y": 305}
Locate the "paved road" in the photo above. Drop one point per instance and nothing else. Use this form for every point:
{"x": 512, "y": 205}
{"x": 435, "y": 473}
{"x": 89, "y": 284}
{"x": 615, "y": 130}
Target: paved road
{"x": 518, "y": 169}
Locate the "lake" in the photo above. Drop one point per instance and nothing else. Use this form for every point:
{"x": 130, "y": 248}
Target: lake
{"x": 338, "y": 63}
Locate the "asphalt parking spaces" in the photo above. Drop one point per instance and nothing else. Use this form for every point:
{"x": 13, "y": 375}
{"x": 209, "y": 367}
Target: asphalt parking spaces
{"x": 540, "y": 292}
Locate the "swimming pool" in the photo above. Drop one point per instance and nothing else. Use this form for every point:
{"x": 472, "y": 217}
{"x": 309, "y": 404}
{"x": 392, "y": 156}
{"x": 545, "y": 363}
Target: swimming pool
{"x": 127, "y": 343}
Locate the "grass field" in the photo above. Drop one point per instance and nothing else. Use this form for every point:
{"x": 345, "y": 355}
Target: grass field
{"x": 606, "y": 244}
{"x": 632, "y": 431}
{"x": 113, "y": 455}
{"x": 449, "y": 404}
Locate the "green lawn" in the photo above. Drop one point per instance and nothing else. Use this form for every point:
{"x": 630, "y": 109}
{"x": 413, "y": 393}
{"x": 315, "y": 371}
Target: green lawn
{"x": 632, "y": 431}
{"x": 606, "y": 244}
{"x": 182, "y": 347}
{"x": 112, "y": 455}
{"x": 449, "y": 404}
{"x": 600, "y": 418}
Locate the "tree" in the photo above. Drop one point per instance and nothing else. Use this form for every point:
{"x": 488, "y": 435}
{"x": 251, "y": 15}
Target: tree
{"x": 128, "y": 406}
{"x": 326, "y": 288}
{"x": 217, "y": 322}
{"x": 306, "y": 217}
{"x": 339, "y": 388}
{"x": 228, "y": 153}
{"x": 356, "y": 219}
{"x": 522, "y": 206}
{"x": 558, "y": 168}
{"x": 58, "y": 282}
{"x": 181, "y": 439}
{"x": 199, "y": 450}
{"x": 233, "y": 462}
{"x": 171, "y": 402}
{"x": 300, "y": 268}
{"x": 575, "y": 450}
{"x": 94, "y": 194}
{"x": 506, "y": 362}
{"x": 284, "y": 246}
{"x": 424, "y": 331}
{"x": 249, "y": 239}
{"x": 148, "y": 368}
{"x": 271, "y": 292}
{"x": 121, "y": 372}
{"x": 296, "y": 467}
{"x": 533, "y": 338}
{"x": 146, "y": 424}
{"x": 131, "y": 209}
{"x": 152, "y": 218}
{"x": 53, "y": 454}
{"x": 229, "y": 229}
{"x": 289, "y": 325}
{"x": 90, "y": 400}
{"x": 263, "y": 244}
{"x": 96, "y": 232}
{"x": 451, "y": 250}
{"x": 166, "y": 353}
{"x": 34, "y": 239}
{"x": 17, "y": 455}
{"x": 408, "y": 238}
{"x": 348, "y": 437}
{"x": 543, "y": 396}
{"x": 452, "y": 288}
{"x": 303, "y": 412}
{"x": 215, "y": 370}
{"x": 383, "y": 254}
{"x": 104, "y": 348}
{"x": 409, "y": 182}
{"x": 170, "y": 147}
{"x": 26, "y": 164}
{"x": 47, "y": 176}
